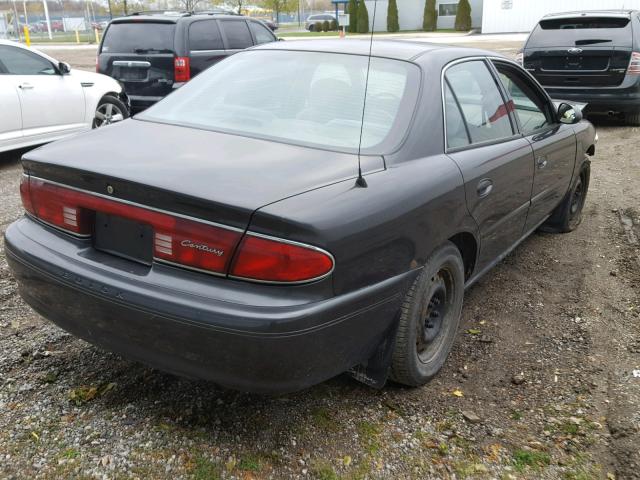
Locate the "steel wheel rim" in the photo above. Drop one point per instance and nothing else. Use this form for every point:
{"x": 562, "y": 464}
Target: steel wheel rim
{"x": 108, "y": 113}
{"x": 434, "y": 321}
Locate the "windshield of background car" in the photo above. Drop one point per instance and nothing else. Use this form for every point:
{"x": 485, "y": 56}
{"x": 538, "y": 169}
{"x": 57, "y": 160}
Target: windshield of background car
{"x": 581, "y": 31}
{"x": 139, "y": 37}
{"x": 305, "y": 98}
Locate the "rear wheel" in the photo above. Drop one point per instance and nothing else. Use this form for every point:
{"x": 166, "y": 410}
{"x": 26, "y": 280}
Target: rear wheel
{"x": 429, "y": 318}
{"x": 110, "y": 110}
{"x": 568, "y": 215}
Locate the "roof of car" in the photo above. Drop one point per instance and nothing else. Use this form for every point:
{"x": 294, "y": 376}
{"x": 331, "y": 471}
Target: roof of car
{"x": 401, "y": 50}
{"x": 591, "y": 13}
{"x": 172, "y": 17}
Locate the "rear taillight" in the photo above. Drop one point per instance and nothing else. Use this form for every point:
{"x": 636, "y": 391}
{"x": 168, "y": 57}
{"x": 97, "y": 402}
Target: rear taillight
{"x": 181, "y": 69}
{"x": 634, "y": 64}
{"x": 274, "y": 260}
{"x": 179, "y": 240}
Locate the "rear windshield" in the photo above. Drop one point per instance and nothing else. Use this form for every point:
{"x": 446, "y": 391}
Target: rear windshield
{"x": 254, "y": 94}
{"x": 581, "y": 31}
{"x": 143, "y": 37}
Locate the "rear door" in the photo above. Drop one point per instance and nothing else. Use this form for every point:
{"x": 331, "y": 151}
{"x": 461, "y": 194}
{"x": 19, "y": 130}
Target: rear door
{"x": 205, "y": 45}
{"x": 236, "y": 35}
{"x": 580, "y": 51}
{"x": 140, "y": 55}
{"x": 496, "y": 162}
{"x": 553, "y": 143}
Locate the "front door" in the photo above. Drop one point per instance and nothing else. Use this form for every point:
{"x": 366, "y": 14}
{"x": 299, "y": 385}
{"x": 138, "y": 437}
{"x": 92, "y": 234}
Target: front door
{"x": 496, "y": 162}
{"x": 11, "y": 117}
{"x": 51, "y": 103}
{"x": 553, "y": 143}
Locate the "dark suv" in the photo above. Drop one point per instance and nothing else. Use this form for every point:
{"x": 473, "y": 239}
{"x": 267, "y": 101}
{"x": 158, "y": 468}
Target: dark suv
{"x": 153, "y": 54}
{"x": 590, "y": 57}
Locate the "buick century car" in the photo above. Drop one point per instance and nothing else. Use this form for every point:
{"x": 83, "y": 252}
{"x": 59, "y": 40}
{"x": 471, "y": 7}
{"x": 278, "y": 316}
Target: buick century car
{"x": 251, "y": 229}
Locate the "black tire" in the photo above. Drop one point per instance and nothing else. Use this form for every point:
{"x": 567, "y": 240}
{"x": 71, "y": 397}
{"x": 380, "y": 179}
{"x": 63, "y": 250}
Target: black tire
{"x": 109, "y": 103}
{"x": 568, "y": 215}
{"x": 429, "y": 318}
{"x": 311, "y": 28}
{"x": 632, "y": 119}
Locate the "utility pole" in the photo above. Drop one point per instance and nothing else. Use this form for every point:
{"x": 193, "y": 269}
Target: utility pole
{"x": 110, "y": 12}
{"x": 46, "y": 16}
{"x": 26, "y": 17}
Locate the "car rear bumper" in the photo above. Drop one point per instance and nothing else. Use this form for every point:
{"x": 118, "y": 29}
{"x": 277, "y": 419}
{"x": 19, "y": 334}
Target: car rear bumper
{"x": 249, "y": 337}
{"x": 625, "y": 98}
{"x": 140, "y": 103}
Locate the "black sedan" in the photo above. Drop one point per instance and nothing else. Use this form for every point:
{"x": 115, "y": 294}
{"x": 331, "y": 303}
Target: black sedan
{"x": 252, "y": 229}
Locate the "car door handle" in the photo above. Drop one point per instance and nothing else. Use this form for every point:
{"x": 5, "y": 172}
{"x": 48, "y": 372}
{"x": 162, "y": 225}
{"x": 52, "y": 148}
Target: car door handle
{"x": 541, "y": 161}
{"x": 484, "y": 187}
{"x": 25, "y": 86}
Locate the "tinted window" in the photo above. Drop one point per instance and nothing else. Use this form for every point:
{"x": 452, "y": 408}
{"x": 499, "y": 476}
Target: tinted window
{"x": 254, "y": 93}
{"x": 483, "y": 108}
{"x": 447, "y": 9}
{"x": 456, "y": 130}
{"x": 529, "y": 106}
{"x": 262, "y": 33}
{"x": 237, "y": 34}
{"x": 205, "y": 35}
{"x": 17, "y": 61}
{"x": 141, "y": 37}
{"x": 581, "y": 31}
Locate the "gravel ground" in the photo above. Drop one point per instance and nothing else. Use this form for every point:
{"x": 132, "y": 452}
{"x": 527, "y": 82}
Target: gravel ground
{"x": 540, "y": 383}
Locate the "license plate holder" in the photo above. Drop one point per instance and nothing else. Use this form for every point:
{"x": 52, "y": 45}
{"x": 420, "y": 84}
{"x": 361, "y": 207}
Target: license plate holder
{"x": 123, "y": 237}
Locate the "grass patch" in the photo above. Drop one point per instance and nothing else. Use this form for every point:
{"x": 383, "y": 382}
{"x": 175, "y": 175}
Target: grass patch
{"x": 569, "y": 428}
{"x": 250, "y": 462}
{"x": 323, "y": 419}
{"x": 530, "y": 458}
{"x": 369, "y": 433}
{"x": 205, "y": 469}
{"x": 516, "y": 415}
{"x": 322, "y": 470}
{"x": 69, "y": 453}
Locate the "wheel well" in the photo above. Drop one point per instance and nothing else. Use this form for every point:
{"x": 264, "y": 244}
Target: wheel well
{"x": 468, "y": 247}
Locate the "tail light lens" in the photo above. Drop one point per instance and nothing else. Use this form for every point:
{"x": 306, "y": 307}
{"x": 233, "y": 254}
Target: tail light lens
{"x": 273, "y": 260}
{"x": 178, "y": 240}
{"x": 634, "y": 64}
{"x": 181, "y": 69}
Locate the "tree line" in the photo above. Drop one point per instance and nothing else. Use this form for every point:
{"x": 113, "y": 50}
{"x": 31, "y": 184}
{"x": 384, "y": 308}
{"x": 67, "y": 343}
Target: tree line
{"x": 359, "y": 16}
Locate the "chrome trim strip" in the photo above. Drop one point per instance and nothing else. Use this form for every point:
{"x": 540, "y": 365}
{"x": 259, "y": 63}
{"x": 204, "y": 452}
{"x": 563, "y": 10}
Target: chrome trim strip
{"x": 290, "y": 242}
{"x": 60, "y": 229}
{"x": 187, "y": 267}
{"x": 146, "y": 207}
{"x": 132, "y": 63}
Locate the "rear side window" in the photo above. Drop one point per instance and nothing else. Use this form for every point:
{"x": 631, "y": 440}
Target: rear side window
{"x": 143, "y": 37}
{"x": 205, "y": 35}
{"x": 237, "y": 33}
{"x": 262, "y": 33}
{"x": 482, "y": 105}
{"x": 456, "y": 130}
{"x": 577, "y": 31}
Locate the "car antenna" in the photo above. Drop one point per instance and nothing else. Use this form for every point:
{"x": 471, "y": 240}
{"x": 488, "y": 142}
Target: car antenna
{"x": 360, "y": 181}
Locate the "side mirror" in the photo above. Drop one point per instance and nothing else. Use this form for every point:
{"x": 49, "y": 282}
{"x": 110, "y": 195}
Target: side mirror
{"x": 64, "y": 68}
{"x": 569, "y": 114}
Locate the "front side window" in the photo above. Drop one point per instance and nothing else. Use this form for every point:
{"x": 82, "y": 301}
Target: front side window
{"x": 530, "y": 106}
{"x": 482, "y": 105}
{"x": 237, "y": 33}
{"x": 254, "y": 93}
{"x": 262, "y": 33}
{"x": 205, "y": 35}
{"x": 17, "y": 61}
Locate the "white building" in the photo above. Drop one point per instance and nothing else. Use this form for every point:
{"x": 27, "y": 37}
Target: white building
{"x": 505, "y": 16}
{"x": 411, "y": 13}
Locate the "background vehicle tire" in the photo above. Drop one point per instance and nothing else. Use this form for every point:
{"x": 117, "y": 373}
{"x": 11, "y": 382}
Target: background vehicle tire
{"x": 311, "y": 28}
{"x": 632, "y": 119}
{"x": 429, "y": 318}
{"x": 109, "y": 110}
{"x": 568, "y": 215}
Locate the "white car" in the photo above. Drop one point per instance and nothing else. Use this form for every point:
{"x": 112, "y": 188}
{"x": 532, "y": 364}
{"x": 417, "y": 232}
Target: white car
{"x": 42, "y": 100}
